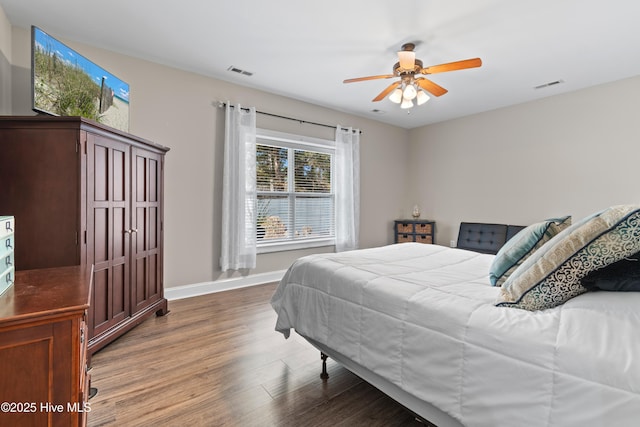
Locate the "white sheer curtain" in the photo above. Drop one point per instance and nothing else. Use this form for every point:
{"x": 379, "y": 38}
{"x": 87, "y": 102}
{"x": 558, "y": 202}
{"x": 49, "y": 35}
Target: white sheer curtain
{"x": 347, "y": 179}
{"x": 239, "y": 189}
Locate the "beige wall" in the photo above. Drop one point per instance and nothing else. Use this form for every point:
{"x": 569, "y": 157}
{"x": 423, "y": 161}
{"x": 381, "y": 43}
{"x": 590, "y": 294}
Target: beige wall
{"x": 5, "y": 64}
{"x": 568, "y": 154}
{"x": 175, "y": 108}
{"x": 5, "y": 34}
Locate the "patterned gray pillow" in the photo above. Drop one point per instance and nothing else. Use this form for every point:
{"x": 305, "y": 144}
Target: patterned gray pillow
{"x": 551, "y": 275}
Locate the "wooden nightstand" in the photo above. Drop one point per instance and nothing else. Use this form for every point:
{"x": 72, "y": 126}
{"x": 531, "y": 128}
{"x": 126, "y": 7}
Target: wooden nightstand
{"x": 414, "y": 230}
{"x": 43, "y": 347}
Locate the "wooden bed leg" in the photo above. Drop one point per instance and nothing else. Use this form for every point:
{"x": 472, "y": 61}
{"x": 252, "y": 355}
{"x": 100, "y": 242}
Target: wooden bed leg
{"x": 324, "y": 375}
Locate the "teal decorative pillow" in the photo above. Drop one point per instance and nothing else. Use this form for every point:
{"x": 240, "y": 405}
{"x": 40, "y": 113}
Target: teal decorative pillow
{"x": 522, "y": 245}
{"x": 552, "y": 274}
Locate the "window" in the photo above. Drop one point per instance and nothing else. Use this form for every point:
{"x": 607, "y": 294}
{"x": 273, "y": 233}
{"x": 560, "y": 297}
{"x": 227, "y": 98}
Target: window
{"x": 295, "y": 192}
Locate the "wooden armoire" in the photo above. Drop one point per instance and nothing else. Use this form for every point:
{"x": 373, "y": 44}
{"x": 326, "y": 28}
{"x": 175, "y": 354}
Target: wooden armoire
{"x": 86, "y": 194}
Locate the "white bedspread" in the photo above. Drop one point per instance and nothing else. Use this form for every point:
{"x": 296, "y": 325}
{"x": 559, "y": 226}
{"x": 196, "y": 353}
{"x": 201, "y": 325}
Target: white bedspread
{"x": 422, "y": 316}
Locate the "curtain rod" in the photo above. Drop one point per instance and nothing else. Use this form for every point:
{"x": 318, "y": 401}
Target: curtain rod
{"x": 224, "y": 104}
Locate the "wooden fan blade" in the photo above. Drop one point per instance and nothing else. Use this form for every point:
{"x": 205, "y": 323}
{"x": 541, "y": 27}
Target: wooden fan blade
{"x": 387, "y": 91}
{"x": 431, "y": 87}
{"x": 361, "y": 79}
{"x": 452, "y": 66}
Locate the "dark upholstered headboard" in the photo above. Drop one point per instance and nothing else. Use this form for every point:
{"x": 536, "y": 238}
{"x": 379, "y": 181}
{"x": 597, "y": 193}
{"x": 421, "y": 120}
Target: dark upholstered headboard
{"x": 512, "y": 230}
{"x": 485, "y": 238}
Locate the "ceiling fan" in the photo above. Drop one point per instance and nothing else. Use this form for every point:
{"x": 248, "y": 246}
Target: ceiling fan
{"x": 410, "y": 86}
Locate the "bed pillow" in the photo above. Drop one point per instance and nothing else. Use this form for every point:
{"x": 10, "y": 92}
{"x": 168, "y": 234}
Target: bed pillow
{"x": 623, "y": 275}
{"x": 517, "y": 249}
{"x": 552, "y": 274}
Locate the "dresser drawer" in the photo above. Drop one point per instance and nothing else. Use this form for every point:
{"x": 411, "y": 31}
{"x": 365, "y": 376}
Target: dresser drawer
{"x": 401, "y": 238}
{"x": 6, "y": 226}
{"x": 424, "y": 238}
{"x": 402, "y": 228}
{"x": 423, "y": 228}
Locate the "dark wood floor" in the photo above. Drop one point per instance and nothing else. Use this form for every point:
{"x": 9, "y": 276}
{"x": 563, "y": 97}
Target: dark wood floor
{"x": 215, "y": 360}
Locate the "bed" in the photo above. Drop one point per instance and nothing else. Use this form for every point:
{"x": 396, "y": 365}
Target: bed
{"x": 424, "y": 324}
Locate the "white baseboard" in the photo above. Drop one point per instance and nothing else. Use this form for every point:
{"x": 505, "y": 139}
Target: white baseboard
{"x": 193, "y": 290}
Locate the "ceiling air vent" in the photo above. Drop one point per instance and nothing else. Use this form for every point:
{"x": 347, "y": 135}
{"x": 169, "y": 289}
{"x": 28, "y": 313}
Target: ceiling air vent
{"x": 542, "y": 86}
{"x": 239, "y": 71}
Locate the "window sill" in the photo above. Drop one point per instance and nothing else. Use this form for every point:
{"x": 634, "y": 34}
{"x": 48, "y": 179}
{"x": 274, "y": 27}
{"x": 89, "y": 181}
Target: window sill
{"x": 264, "y": 248}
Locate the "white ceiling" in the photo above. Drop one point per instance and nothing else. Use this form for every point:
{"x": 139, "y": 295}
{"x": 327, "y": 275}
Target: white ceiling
{"x": 304, "y": 49}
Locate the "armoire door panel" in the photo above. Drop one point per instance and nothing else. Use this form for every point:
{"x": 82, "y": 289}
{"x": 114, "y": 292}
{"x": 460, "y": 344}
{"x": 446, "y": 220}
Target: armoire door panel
{"x": 110, "y": 210}
{"x": 141, "y": 226}
{"x": 120, "y": 233}
{"x": 141, "y": 179}
{"x": 120, "y": 191}
{"x": 154, "y": 175}
{"x": 154, "y": 232}
{"x": 110, "y": 310}
{"x": 148, "y": 209}
{"x": 154, "y": 282}
{"x": 147, "y": 280}
{"x": 100, "y": 234}
{"x": 99, "y": 305}
{"x": 141, "y": 281}
{"x": 100, "y": 173}
{"x": 119, "y": 293}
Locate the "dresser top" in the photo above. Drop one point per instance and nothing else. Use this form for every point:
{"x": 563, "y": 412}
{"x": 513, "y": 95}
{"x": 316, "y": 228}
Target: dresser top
{"x": 46, "y": 292}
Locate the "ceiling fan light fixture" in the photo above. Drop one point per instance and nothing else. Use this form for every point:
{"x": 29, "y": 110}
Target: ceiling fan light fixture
{"x": 409, "y": 92}
{"x": 422, "y": 97}
{"x": 410, "y": 84}
{"x": 396, "y": 96}
{"x": 406, "y": 103}
{"x": 407, "y": 59}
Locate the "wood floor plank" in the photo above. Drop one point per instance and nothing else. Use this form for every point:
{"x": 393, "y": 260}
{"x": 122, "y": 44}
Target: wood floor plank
{"x": 216, "y": 360}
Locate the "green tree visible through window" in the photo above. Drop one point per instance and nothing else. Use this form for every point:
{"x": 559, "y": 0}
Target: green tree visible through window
{"x": 312, "y": 172}
{"x": 295, "y": 199}
{"x": 272, "y": 168}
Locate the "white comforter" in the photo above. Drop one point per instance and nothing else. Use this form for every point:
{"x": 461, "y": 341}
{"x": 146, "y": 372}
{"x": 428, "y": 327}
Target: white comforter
{"x": 422, "y": 316}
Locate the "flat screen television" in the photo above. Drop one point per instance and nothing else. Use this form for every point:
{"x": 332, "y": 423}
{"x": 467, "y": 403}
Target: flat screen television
{"x": 65, "y": 83}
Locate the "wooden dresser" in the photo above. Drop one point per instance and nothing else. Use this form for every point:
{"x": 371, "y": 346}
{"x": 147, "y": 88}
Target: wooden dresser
{"x": 86, "y": 194}
{"x": 43, "y": 348}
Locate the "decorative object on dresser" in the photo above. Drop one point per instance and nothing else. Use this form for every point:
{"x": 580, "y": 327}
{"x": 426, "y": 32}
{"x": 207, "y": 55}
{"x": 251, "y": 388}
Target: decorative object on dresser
{"x": 7, "y": 244}
{"x": 416, "y": 212}
{"x": 43, "y": 348}
{"x": 414, "y": 230}
{"x": 87, "y": 194}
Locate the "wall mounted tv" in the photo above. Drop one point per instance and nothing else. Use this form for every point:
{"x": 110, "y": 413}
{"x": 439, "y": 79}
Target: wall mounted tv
{"x": 65, "y": 83}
